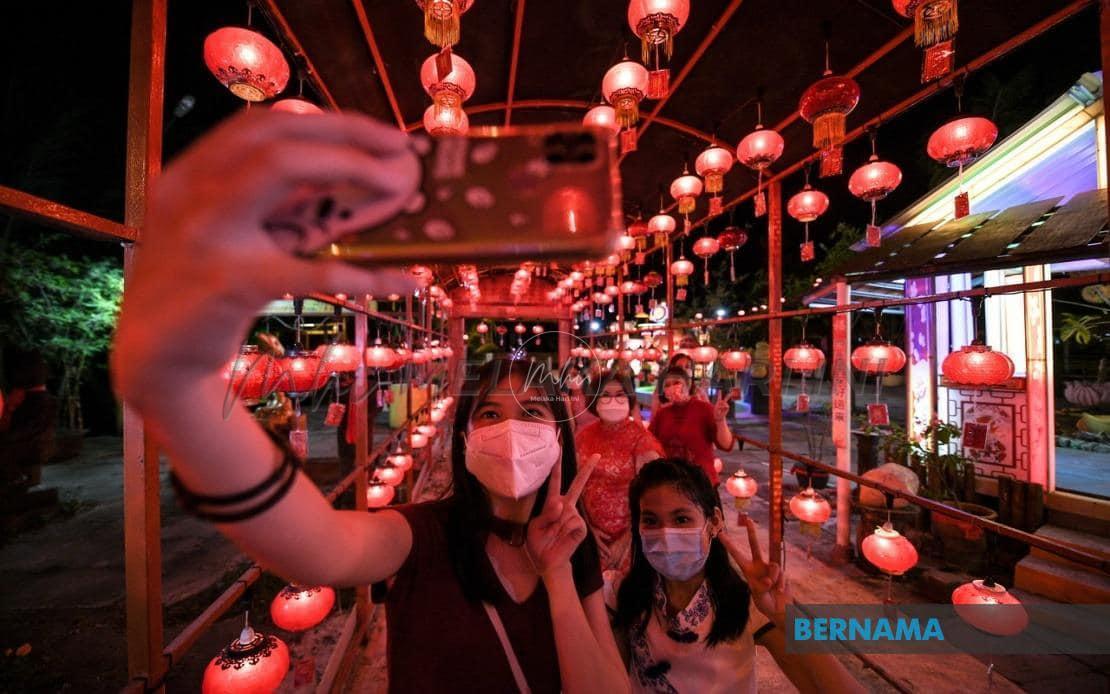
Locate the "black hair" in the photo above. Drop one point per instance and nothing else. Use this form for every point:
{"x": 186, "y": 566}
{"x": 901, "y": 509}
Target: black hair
{"x": 605, "y": 379}
{"x": 671, "y": 367}
{"x": 469, "y": 511}
{"x": 729, "y": 592}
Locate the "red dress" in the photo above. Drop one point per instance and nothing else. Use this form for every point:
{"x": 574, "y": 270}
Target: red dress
{"x": 605, "y": 497}
{"x": 688, "y": 431}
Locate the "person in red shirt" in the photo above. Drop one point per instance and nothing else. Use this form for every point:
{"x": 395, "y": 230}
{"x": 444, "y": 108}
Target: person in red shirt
{"x": 689, "y": 427}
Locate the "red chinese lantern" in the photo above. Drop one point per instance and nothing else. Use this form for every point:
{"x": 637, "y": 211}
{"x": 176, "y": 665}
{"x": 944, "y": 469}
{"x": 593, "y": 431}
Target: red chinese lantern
{"x": 704, "y": 248}
{"x": 718, "y": 465}
{"x": 685, "y": 190}
{"x": 420, "y": 356}
{"x": 437, "y": 415}
{"x": 682, "y": 269}
{"x": 401, "y": 460}
{"x": 428, "y": 430}
{"x": 520, "y": 329}
{"x": 758, "y": 150}
{"x": 297, "y": 105}
{"x": 811, "y": 509}
{"x": 826, "y": 105}
{"x": 629, "y": 287}
{"x": 653, "y": 279}
{"x": 246, "y": 62}
{"x": 338, "y": 358}
{"x": 254, "y": 663}
{"x": 736, "y": 360}
{"x": 989, "y": 607}
{"x": 441, "y": 122}
{"x": 299, "y": 608}
{"x": 958, "y": 143}
{"x": 874, "y": 180}
{"x": 417, "y": 440}
{"x": 889, "y": 551}
{"x": 741, "y": 487}
{"x": 390, "y": 475}
{"x": 935, "y": 23}
{"x": 652, "y": 354}
{"x": 806, "y": 206}
{"x": 878, "y": 358}
{"x": 624, "y": 87}
{"x": 379, "y": 494}
{"x": 712, "y": 165}
{"x": 977, "y": 365}
{"x": 301, "y": 372}
{"x": 804, "y": 358}
{"x": 731, "y": 239}
{"x": 603, "y": 116}
{"x": 452, "y": 89}
{"x": 626, "y": 244}
{"x": 661, "y": 226}
{"x": 252, "y": 376}
{"x": 482, "y": 328}
{"x": 627, "y": 355}
{"x": 656, "y": 22}
{"x": 441, "y": 20}
{"x": 537, "y": 329}
{"x": 704, "y": 354}
{"x": 404, "y": 356}
{"x": 638, "y": 230}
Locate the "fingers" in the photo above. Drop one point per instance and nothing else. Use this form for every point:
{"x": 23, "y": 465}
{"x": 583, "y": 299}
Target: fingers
{"x": 753, "y": 537}
{"x": 554, "y": 488}
{"x": 579, "y": 483}
{"x": 350, "y": 129}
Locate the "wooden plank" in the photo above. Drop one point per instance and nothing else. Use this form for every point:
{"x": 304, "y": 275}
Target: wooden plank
{"x": 34, "y": 208}
{"x": 923, "y": 251}
{"x": 991, "y": 240}
{"x": 892, "y": 244}
{"x": 1074, "y": 224}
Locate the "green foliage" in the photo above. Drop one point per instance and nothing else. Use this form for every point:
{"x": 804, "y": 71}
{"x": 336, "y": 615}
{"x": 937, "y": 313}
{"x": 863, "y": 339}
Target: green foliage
{"x": 64, "y": 306}
{"x": 1082, "y": 329}
{"x": 934, "y": 456}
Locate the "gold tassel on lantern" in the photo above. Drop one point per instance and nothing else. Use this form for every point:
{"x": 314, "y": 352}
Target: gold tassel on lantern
{"x": 687, "y": 204}
{"x": 829, "y": 129}
{"x": 627, "y": 105}
{"x": 714, "y": 182}
{"x": 935, "y": 21}
{"x": 441, "y": 21}
{"x": 657, "y": 30}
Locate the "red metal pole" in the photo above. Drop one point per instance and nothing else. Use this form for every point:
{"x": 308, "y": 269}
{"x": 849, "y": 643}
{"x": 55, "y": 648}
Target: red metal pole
{"x": 141, "y": 499}
{"x": 363, "y": 439}
{"x": 20, "y": 204}
{"x": 518, "y": 28}
{"x": 774, "y": 419}
{"x": 670, "y": 301}
{"x": 379, "y": 63}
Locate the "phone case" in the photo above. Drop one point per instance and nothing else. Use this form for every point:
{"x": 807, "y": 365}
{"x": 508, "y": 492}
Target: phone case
{"x": 497, "y": 195}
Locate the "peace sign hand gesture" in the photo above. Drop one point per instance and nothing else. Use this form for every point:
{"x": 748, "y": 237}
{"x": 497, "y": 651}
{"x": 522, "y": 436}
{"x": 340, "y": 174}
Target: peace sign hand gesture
{"x": 766, "y": 580}
{"x": 559, "y": 529}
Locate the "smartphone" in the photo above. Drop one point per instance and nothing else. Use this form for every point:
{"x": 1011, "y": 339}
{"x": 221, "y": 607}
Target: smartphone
{"x": 496, "y": 195}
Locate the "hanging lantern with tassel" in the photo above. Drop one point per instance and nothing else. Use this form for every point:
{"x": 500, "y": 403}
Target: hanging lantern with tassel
{"x": 685, "y": 190}
{"x": 662, "y": 226}
{"x": 811, "y": 509}
{"x": 704, "y": 248}
{"x": 299, "y": 608}
{"x": 935, "y": 24}
{"x": 624, "y": 86}
{"x": 682, "y": 269}
{"x": 806, "y": 206}
{"x": 990, "y": 608}
{"x": 712, "y": 165}
{"x": 757, "y": 151}
{"x": 826, "y": 105}
{"x": 872, "y": 182}
{"x": 441, "y": 20}
{"x": 742, "y": 488}
{"x": 448, "y": 90}
{"x": 442, "y": 122}
{"x": 958, "y": 143}
{"x": 602, "y": 116}
{"x": 246, "y": 62}
{"x": 731, "y": 239}
{"x": 638, "y": 230}
{"x": 655, "y": 23}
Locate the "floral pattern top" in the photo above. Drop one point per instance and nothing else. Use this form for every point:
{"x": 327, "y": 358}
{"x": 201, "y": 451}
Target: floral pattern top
{"x": 605, "y": 497}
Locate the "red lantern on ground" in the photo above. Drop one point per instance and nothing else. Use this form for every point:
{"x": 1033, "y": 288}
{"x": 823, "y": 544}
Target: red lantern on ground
{"x": 624, "y": 87}
{"x": 889, "y": 551}
{"x": 989, "y": 607}
{"x": 731, "y": 239}
{"x": 441, "y": 20}
{"x": 246, "y": 62}
{"x": 338, "y": 358}
{"x": 254, "y": 663}
{"x": 682, "y": 269}
{"x": 297, "y": 105}
{"x": 878, "y": 358}
{"x": 603, "y": 116}
{"x": 656, "y": 22}
{"x": 811, "y": 509}
{"x": 712, "y": 165}
{"x": 704, "y": 248}
{"x": 826, "y": 105}
{"x": 736, "y": 360}
{"x": 977, "y": 365}
{"x": 685, "y": 190}
{"x": 299, "y": 608}
{"x": 452, "y": 89}
{"x": 704, "y": 354}
{"x": 441, "y": 122}
{"x": 742, "y": 488}
{"x": 662, "y": 226}
{"x": 379, "y": 494}
{"x": 804, "y": 358}
{"x": 935, "y": 23}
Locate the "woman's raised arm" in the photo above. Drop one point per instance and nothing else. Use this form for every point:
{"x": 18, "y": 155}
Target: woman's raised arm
{"x": 204, "y": 265}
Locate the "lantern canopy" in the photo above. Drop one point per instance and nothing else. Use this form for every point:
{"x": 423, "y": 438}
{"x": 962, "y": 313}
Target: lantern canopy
{"x": 977, "y": 365}
{"x": 254, "y": 663}
{"x": 246, "y": 62}
{"x": 712, "y": 165}
{"x": 624, "y": 86}
{"x": 959, "y": 142}
{"x": 804, "y": 358}
{"x": 299, "y": 608}
{"x": 441, "y": 20}
{"x": 989, "y": 607}
{"x": 440, "y": 122}
{"x": 889, "y": 551}
{"x": 878, "y": 358}
{"x": 603, "y": 116}
{"x": 297, "y": 105}
{"x": 451, "y": 89}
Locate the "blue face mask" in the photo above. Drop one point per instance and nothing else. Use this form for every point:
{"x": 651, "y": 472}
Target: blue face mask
{"x": 676, "y": 553}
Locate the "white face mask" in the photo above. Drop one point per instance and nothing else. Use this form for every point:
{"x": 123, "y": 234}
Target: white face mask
{"x": 512, "y": 458}
{"x": 676, "y": 553}
{"x": 612, "y": 411}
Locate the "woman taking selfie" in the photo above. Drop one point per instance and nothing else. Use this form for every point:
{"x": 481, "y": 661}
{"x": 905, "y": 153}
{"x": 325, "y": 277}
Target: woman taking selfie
{"x": 494, "y": 588}
{"x": 623, "y": 446}
{"x": 684, "y": 613}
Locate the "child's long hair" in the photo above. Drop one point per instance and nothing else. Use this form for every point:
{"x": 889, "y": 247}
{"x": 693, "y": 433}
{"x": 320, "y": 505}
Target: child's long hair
{"x": 729, "y": 592}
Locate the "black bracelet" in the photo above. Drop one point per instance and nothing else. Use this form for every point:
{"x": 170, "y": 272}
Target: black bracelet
{"x": 213, "y": 507}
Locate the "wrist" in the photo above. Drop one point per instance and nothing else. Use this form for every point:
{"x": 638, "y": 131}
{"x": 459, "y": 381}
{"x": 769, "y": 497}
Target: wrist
{"x": 557, "y": 576}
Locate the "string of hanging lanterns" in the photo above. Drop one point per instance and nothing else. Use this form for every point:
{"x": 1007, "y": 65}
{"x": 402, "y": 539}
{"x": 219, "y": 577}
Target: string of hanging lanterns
{"x": 655, "y": 23}
{"x": 825, "y": 105}
{"x": 758, "y": 150}
{"x": 935, "y": 23}
{"x": 806, "y": 206}
{"x": 872, "y": 182}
